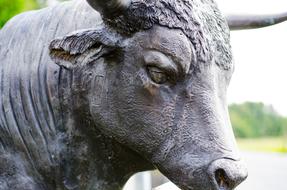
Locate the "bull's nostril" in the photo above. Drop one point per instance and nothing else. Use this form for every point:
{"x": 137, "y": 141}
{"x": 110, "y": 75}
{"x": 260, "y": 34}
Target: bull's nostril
{"x": 222, "y": 179}
{"x": 226, "y": 174}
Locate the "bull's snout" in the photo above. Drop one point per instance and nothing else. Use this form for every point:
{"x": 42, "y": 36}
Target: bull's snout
{"x": 226, "y": 174}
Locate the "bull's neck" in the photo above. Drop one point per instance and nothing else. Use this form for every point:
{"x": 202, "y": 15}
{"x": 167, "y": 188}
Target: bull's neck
{"x": 90, "y": 159}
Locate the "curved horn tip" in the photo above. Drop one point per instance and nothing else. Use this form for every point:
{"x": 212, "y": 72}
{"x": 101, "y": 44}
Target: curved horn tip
{"x": 125, "y": 3}
{"x": 241, "y": 22}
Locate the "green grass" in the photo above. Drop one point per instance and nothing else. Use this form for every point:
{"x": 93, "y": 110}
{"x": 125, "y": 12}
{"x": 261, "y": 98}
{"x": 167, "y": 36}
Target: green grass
{"x": 270, "y": 144}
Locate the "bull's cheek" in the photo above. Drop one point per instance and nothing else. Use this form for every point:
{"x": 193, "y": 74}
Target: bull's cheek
{"x": 145, "y": 132}
{"x": 140, "y": 114}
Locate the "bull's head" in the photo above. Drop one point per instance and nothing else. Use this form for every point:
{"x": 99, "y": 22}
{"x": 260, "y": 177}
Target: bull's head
{"x": 155, "y": 76}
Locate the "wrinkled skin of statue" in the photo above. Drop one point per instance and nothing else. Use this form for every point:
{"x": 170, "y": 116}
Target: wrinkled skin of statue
{"x": 85, "y": 104}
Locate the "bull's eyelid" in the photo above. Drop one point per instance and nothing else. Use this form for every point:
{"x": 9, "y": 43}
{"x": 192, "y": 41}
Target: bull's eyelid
{"x": 159, "y": 59}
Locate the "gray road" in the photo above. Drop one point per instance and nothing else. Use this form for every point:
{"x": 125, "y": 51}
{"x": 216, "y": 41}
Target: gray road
{"x": 266, "y": 171}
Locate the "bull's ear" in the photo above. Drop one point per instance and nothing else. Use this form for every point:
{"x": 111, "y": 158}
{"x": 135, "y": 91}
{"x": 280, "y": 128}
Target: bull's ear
{"x": 82, "y": 47}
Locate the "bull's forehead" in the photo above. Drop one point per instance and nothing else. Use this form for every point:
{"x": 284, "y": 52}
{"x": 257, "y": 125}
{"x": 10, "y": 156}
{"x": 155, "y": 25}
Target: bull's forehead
{"x": 170, "y": 42}
{"x": 200, "y": 20}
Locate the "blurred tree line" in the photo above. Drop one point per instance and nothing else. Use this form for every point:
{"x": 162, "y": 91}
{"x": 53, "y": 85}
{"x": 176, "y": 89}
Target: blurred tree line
{"x": 252, "y": 120}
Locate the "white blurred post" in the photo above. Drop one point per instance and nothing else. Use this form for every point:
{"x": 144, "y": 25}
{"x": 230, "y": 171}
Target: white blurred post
{"x": 52, "y": 2}
{"x": 167, "y": 186}
{"x": 140, "y": 181}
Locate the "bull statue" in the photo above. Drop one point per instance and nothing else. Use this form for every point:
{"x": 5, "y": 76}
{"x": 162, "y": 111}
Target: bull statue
{"x": 88, "y": 98}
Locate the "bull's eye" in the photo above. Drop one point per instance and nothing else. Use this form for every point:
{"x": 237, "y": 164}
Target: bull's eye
{"x": 157, "y": 75}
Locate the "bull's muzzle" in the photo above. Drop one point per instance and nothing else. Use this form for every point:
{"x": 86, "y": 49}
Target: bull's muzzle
{"x": 226, "y": 173}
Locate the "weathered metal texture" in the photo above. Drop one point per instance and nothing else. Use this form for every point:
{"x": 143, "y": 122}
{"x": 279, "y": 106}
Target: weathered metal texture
{"x": 86, "y": 104}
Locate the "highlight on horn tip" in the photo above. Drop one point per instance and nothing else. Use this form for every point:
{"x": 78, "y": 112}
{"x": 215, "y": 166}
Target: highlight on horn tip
{"x": 125, "y": 3}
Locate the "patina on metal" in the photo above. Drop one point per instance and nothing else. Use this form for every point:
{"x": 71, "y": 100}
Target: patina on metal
{"x": 88, "y": 100}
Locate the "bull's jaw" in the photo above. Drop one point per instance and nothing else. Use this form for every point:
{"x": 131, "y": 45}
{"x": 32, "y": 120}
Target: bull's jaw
{"x": 91, "y": 160}
{"x": 104, "y": 167}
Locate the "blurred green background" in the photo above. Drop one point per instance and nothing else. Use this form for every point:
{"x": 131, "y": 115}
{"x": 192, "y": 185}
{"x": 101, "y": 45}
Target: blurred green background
{"x": 259, "y": 127}
{"x": 10, "y": 8}
{"x": 256, "y": 126}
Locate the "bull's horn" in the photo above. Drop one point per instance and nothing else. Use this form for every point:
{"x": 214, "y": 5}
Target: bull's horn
{"x": 241, "y": 22}
{"x": 109, "y": 8}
